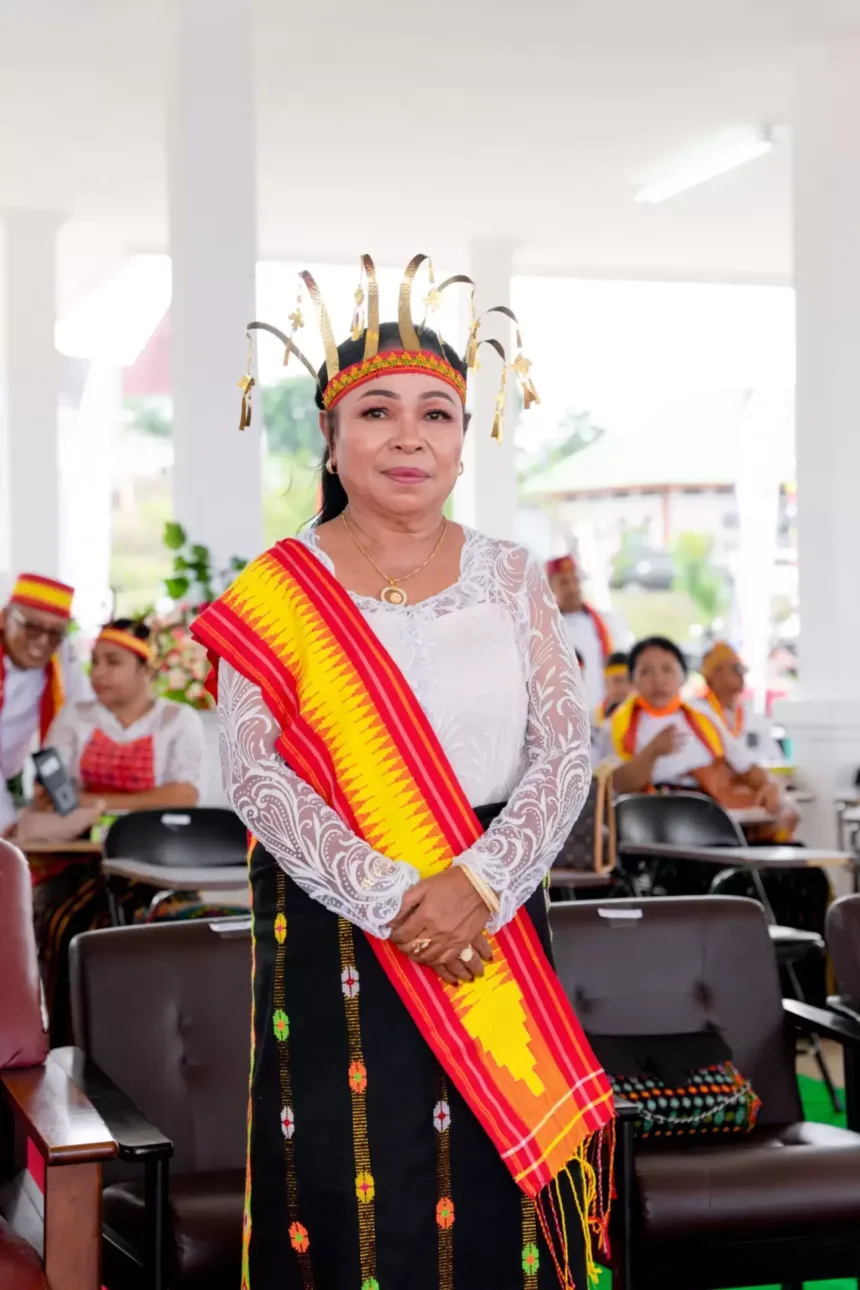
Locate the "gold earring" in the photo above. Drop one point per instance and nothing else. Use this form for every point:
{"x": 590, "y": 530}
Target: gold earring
{"x": 330, "y": 466}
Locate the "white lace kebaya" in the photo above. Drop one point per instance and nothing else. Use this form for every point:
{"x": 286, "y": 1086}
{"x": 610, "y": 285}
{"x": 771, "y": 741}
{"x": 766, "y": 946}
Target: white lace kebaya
{"x": 488, "y": 661}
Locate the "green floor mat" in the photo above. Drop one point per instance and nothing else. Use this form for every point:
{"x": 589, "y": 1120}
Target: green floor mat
{"x": 816, "y": 1106}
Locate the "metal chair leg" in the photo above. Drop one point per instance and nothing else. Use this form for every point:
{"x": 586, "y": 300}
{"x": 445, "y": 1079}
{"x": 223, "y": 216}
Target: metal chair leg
{"x": 818, "y": 1053}
{"x": 156, "y": 1217}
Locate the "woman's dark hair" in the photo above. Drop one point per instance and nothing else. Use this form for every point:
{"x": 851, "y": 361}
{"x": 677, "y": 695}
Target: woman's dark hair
{"x": 334, "y": 498}
{"x": 135, "y": 627}
{"x": 618, "y": 659}
{"x": 656, "y": 642}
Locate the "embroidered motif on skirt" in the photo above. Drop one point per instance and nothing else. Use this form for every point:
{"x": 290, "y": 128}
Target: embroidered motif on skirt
{"x": 531, "y": 1254}
{"x": 444, "y": 1203}
{"x": 365, "y": 1186}
{"x": 298, "y": 1233}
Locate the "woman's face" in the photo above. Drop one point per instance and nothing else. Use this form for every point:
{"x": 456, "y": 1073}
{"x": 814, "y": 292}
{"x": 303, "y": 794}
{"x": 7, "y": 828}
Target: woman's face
{"x": 658, "y": 676}
{"x": 118, "y": 677}
{"x": 398, "y": 441}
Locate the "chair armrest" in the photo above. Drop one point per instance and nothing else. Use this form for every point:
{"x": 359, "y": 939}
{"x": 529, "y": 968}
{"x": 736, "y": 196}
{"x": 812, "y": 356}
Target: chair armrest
{"x": 136, "y": 1138}
{"x": 626, "y": 1110}
{"x": 59, "y": 1118}
{"x": 820, "y": 1021}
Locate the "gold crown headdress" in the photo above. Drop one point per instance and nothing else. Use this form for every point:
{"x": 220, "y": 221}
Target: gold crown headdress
{"x": 410, "y": 357}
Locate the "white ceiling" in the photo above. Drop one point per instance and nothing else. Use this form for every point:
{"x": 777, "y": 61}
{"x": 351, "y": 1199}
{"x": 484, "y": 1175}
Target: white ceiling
{"x": 395, "y": 126}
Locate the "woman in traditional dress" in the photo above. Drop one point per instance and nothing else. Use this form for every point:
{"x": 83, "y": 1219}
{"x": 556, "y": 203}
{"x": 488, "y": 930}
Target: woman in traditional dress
{"x": 126, "y": 750}
{"x": 659, "y": 739}
{"x": 391, "y": 685}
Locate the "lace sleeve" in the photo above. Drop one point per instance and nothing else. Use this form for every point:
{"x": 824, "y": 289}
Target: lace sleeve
{"x": 307, "y": 838}
{"x": 520, "y": 846}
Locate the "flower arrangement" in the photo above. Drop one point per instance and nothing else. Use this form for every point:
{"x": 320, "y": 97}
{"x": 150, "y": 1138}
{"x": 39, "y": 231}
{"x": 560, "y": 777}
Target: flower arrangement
{"x": 194, "y": 583}
{"x": 182, "y": 662}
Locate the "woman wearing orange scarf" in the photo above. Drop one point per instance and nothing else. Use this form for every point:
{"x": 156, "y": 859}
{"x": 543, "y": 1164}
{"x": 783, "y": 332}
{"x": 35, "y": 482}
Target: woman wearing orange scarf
{"x": 662, "y": 739}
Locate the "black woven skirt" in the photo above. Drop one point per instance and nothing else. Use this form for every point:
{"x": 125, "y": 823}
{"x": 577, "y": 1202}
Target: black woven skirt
{"x": 366, "y": 1169}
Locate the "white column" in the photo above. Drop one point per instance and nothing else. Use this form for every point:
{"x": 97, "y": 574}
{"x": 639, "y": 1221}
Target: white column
{"x": 213, "y": 240}
{"x": 88, "y": 433}
{"x": 486, "y": 496}
{"x": 29, "y": 462}
{"x": 824, "y": 719}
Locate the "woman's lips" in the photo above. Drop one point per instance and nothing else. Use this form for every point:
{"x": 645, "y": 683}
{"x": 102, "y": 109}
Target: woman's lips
{"x": 405, "y": 475}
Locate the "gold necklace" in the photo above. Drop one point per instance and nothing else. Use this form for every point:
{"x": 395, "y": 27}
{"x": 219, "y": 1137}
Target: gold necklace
{"x": 393, "y": 594}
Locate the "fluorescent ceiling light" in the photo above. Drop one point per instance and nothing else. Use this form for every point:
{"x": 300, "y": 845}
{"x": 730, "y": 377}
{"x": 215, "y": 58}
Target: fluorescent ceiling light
{"x": 708, "y": 167}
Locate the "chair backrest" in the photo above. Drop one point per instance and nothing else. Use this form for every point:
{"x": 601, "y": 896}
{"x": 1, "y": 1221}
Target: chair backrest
{"x": 165, "y": 1011}
{"x": 680, "y": 966}
{"x": 23, "y": 1040}
{"x": 205, "y": 836}
{"x": 843, "y": 945}
{"x": 681, "y": 819}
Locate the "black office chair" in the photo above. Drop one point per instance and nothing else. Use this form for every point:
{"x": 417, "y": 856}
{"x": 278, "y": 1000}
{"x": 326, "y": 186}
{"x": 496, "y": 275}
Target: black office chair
{"x": 696, "y": 820}
{"x": 204, "y": 848}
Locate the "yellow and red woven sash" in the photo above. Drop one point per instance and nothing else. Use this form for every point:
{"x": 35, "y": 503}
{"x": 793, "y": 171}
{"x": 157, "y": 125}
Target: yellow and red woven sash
{"x": 733, "y": 721}
{"x": 625, "y": 727}
{"x": 602, "y": 632}
{"x": 352, "y": 728}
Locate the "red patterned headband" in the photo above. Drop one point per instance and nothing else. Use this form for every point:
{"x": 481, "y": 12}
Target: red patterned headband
{"x": 392, "y": 360}
{"x": 126, "y": 640}
{"x": 561, "y": 564}
{"x": 408, "y": 356}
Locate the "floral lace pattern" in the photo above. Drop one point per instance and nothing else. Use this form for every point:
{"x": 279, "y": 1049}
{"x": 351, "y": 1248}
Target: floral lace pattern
{"x": 488, "y": 660}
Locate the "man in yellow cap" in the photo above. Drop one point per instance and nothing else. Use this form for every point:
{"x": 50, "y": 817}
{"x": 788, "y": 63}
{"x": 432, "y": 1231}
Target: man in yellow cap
{"x": 725, "y": 678}
{"x": 38, "y": 673}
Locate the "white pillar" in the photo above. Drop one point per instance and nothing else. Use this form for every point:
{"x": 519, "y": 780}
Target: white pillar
{"x": 486, "y": 496}
{"x": 29, "y": 461}
{"x": 86, "y": 453}
{"x": 213, "y": 240}
{"x": 824, "y": 719}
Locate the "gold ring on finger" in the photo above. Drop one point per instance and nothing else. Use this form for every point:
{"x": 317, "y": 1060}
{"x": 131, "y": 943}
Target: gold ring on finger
{"x": 418, "y": 947}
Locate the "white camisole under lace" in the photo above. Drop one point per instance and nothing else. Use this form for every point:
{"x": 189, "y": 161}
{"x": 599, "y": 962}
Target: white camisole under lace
{"x": 489, "y": 662}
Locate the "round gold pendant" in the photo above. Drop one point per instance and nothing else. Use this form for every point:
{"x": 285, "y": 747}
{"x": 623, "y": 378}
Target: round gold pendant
{"x": 393, "y": 595}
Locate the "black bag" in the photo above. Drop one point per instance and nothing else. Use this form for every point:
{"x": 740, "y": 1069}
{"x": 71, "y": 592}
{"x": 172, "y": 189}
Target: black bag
{"x": 591, "y": 843}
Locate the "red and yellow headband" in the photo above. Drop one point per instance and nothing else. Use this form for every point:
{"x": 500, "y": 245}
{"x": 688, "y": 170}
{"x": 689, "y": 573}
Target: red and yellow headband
{"x": 43, "y": 593}
{"x": 409, "y": 356}
{"x": 126, "y": 640}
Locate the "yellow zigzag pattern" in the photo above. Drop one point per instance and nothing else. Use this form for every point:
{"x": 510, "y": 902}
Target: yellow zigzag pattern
{"x": 393, "y": 817}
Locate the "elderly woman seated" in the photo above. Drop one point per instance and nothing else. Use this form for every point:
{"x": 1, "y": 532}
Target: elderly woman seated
{"x": 662, "y": 740}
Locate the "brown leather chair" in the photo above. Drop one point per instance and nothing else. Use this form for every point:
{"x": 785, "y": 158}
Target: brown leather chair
{"x": 781, "y": 1205}
{"x": 843, "y": 944}
{"x": 164, "y": 1012}
{"x": 40, "y": 1105}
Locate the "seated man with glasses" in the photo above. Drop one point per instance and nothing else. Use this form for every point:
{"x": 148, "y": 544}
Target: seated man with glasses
{"x": 38, "y": 674}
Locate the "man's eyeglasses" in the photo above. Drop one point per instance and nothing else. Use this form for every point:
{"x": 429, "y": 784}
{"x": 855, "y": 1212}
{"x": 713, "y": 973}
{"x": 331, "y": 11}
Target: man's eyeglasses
{"x": 35, "y": 632}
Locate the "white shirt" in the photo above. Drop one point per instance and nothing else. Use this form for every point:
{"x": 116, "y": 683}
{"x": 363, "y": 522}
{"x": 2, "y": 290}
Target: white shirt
{"x": 176, "y": 730}
{"x": 692, "y": 755}
{"x": 19, "y": 716}
{"x": 585, "y": 641}
{"x": 489, "y": 663}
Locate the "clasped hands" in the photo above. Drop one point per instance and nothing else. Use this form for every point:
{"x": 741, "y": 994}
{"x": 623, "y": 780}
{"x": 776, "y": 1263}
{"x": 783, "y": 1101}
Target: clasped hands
{"x": 440, "y": 919}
